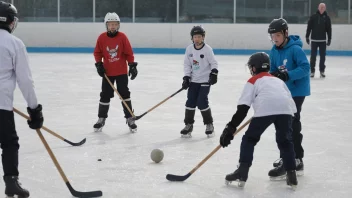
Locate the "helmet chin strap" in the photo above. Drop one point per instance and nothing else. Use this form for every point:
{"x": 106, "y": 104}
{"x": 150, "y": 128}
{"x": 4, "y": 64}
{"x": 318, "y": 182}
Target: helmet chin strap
{"x": 281, "y": 45}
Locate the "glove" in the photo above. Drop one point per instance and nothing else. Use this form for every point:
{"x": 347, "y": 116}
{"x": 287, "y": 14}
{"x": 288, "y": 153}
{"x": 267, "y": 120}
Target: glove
{"x": 133, "y": 70}
{"x": 186, "y": 82}
{"x": 100, "y": 68}
{"x": 36, "y": 115}
{"x": 227, "y": 135}
{"x": 281, "y": 73}
{"x": 328, "y": 43}
{"x": 307, "y": 40}
{"x": 213, "y": 78}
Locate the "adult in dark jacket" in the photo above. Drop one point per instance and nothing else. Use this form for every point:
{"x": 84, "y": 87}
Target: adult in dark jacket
{"x": 320, "y": 25}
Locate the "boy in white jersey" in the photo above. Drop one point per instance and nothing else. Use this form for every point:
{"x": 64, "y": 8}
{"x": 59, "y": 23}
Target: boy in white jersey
{"x": 273, "y": 104}
{"x": 14, "y": 67}
{"x": 200, "y": 71}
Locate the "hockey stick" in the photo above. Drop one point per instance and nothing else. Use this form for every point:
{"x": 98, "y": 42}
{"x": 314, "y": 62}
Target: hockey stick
{"x": 140, "y": 116}
{"x": 52, "y": 132}
{"x": 73, "y": 191}
{"x": 112, "y": 86}
{"x": 171, "y": 177}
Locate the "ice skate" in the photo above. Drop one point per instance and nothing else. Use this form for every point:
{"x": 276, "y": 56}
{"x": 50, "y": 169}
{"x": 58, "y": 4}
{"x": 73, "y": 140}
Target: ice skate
{"x": 240, "y": 175}
{"x": 187, "y": 131}
{"x": 322, "y": 74}
{"x": 277, "y": 173}
{"x": 98, "y": 127}
{"x": 291, "y": 179}
{"x": 299, "y": 167}
{"x": 277, "y": 162}
{"x": 13, "y": 187}
{"x": 209, "y": 131}
{"x": 131, "y": 125}
{"x": 312, "y": 74}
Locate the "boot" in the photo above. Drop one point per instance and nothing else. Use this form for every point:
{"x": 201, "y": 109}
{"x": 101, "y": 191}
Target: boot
{"x": 291, "y": 178}
{"x": 13, "y": 187}
{"x": 208, "y": 121}
{"x": 189, "y": 120}
{"x": 240, "y": 175}
{"x": 278, "y": 172}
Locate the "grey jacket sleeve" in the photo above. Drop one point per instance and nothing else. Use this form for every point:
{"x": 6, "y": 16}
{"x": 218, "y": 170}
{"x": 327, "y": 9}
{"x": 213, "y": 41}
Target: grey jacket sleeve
{"x": 187, "y": 65}
{"x": 24, "y": 76}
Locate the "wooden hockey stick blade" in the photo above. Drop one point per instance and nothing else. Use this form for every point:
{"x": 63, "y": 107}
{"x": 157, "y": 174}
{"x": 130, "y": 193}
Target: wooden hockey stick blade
{"x": 50, "y": 131}
{"x": 76, "y": 143}
{"x": 64, "y": 177}
{"x": 171, "y": 177}
{"x": 83, "y": 194}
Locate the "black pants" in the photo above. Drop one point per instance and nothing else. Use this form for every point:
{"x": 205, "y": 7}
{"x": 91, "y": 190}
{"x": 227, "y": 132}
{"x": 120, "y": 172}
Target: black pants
{"x": 297, "y": 135}
{"x": 197, "y": 95}
{"x": 9, "y": 143}
{"x": 283, "y": 127}
{"x": 313, "y": 56}
{"x": 107, "y": 92}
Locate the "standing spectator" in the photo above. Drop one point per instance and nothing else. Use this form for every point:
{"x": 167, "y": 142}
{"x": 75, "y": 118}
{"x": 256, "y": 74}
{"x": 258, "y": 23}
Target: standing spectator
{"x": 320, "y": 25}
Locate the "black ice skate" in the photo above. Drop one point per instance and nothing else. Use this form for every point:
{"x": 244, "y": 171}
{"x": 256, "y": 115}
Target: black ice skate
{"x": 299, "y": 167}
{"x": 209, "y": 131}
{"x": 322, "y": 74}
{"x": 312, "y": 74}
{"x": 291, "y": 179}
{"x": 240, "y": 175}
{"x": 277, "y": 173}
{"x": 99, "y": 125}
{"x": 13, "y": 187}
{"x": 186, "y": 132}
{"x": 277, "y": 162}
{"x": 131, "y": 125}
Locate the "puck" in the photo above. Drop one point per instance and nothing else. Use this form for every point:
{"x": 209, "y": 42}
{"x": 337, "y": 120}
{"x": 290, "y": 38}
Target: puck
{"x": 99, "y": 160}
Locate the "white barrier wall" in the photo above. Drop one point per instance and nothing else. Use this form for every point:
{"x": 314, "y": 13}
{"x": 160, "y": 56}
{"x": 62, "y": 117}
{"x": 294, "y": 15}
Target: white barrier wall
{"x": 152, "y": 35}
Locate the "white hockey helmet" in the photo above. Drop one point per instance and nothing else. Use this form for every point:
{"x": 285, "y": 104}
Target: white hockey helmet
{"x": 111, "y": 16}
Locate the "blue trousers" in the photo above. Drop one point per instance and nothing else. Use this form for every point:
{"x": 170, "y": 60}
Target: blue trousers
{"x": 197, "y": 96}
{"x": 283, "y": 127}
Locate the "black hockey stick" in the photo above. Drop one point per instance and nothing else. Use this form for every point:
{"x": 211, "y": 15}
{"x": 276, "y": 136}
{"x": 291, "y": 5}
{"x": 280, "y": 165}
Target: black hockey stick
{"x": 140, "y": 116}
{"x": 171, "y": 177}
{"x": 52, "y": 132}
{"x": 73, "y": 191}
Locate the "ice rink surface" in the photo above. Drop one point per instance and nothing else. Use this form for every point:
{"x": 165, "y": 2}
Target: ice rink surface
{"x": 68, "y": 87}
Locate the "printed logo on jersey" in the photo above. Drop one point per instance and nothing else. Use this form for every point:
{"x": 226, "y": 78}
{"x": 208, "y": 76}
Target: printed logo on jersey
{"x": 283, "y": 68}
{"x": 113, "y": 53}
{"x": 190, "y": 55}
{"x": 195, "y": 65}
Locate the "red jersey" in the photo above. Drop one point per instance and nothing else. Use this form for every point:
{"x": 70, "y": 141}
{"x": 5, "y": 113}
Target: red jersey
{"x": 114, "y": 52}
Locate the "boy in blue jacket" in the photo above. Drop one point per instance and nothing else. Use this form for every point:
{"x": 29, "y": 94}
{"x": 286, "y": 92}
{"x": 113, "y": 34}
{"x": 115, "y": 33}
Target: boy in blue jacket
{"x": 290, "y": 64}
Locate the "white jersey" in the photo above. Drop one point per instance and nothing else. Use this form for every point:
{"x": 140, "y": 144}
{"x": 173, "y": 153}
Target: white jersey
{"x": 14, "y": 67}
{"x": 198, "y": 63}
{"x": 269, "y": 96}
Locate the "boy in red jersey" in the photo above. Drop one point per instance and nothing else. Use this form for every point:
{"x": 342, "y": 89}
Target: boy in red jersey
{"x": 115, "y": 49}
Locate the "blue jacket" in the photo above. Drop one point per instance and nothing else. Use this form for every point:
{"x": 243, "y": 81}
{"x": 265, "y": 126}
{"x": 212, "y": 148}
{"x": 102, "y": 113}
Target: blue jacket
{"x": 295, "y": 60}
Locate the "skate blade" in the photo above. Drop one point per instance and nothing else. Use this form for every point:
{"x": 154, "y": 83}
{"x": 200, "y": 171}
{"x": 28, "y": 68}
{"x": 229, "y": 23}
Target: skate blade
{"x": 98, "y": 129}
{"x": 211, "y": 135}
{"x": 240, "y": 184}
{"x": 293, "y": 187}
{"x": 15, "y": 196}
{"x": 186, "y": 135}
{"x": 279, "y": 178}
{"x": 133, "y": 130}
{"x": 300, "y": 173}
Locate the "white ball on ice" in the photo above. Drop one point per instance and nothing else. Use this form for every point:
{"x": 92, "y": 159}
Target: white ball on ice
{"x": 157, "y": 155}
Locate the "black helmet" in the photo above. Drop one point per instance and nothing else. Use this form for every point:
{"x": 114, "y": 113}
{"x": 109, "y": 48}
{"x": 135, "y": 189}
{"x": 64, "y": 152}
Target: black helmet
{"x": 278, "y": 25}
{"x": 260, "y": 61}
{"x": 197, "y": 30}
{"x": 8, "y": 14}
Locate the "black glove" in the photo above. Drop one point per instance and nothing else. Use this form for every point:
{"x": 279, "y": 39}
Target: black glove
{"x": 100, "y": 68}
{"x": 227, "y": 135}
{"x": 328, "y": 43}
{"x": 283, "y": 75}
{"x": 133, "y": 70}
{"x": 36, "y": 115}
{"x": 213, "y": 78}
{"x": 186, "y": 82}
{"x": 307, "y": 40}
